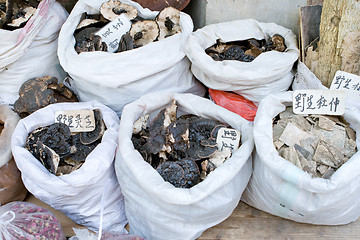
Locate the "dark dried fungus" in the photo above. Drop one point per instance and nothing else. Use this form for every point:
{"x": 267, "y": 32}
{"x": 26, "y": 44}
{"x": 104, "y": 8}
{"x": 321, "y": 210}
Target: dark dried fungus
{"x": 37, "y": 93}
{"x": 87, "y": 40}
{"x": 245, "y": 50}
{"x": 126, "y": 43}
{"x": 66, "y": 149}
{"x": 90, "y": 137}
{"x": 183, "y": 173}
{"x": 178, "y": 147}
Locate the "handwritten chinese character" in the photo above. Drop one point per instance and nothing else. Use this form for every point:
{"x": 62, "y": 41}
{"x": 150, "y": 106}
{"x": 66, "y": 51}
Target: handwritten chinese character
{"x": 88, "y": 122}
{"x": 333, "y": 104}
{"x": 229, "y": 134}
{"x": 309, "y": 102}
{"x": 78, "y": 120}
{"x": 225, "y": 145}
{"x": 339, "y": 80}
{"x": 300, "y": 101}
{"x": 321, "y": 102}
{"x": 347, "y": 83}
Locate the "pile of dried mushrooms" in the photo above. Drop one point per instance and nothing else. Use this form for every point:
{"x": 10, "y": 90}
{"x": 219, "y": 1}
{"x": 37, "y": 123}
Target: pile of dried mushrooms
{"x": 37, "y": 93}
{"x": 182, "y": 149}
{"x": 245, "y": 50}
{"x": 15, "y": 14}
{"x": 142, "y": 32}
{"x": 59, "y": 150}
{"x": 317, "y": 144}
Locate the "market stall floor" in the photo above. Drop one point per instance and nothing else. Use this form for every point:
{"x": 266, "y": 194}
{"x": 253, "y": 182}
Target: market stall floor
{"x": 248, "y": 223}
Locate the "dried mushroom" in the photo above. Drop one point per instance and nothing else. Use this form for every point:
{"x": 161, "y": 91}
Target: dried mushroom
{"x": 179, "y": 147}
{"x": 61, "y": 151}
{"x": 246, "y": 50}
{"x": 87, "y": 40}
{"x": 37, "y": 93}
{"x": 144, "y": 32}
{"x": 168, "y": 20}
{"x": 15, "y": 14}
{"x": 317, "y": 144}
{"x": 113, "y": 8}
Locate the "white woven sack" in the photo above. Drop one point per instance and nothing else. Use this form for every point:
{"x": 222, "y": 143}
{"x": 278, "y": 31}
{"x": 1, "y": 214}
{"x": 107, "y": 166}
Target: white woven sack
{"x": 31, "y": 51}
{"x": 78, "y": 194}
{"x": 268, "y": 73}
{"x": 280, "y": 188}
{"x": 155, "y": 208}
{"x": 10, "y": 119}
{"x": 115, "y": 79}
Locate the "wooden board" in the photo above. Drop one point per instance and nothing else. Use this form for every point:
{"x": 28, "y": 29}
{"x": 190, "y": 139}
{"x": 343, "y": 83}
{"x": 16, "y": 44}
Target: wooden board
{"x": 310, "y": 17}
{"x": 249, "y": 223}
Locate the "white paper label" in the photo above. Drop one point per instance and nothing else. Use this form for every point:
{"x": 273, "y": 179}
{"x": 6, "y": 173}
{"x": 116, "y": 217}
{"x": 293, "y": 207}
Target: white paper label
{"x": 77, "y": 120}
{"x": 113, "y": 31}
{"x": 327, "y": 102}
{"x": 347, "y": 82}
{"x": 228, "y": 138}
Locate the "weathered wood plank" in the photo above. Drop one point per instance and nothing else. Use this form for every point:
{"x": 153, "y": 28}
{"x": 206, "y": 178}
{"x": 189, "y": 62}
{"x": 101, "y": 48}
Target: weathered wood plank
{"x": 310, "y": 17}
{"x": 249, "y": 223}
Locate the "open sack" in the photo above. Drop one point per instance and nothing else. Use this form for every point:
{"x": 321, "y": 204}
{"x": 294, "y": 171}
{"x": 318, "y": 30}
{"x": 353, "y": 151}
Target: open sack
{"x": 84, "y": 194}
{"x": 155, "y": 208}
{"x": 280, "y": 188}
{"x": 115, "y": 79}
{"x": 31, "y": 51}
{"x": 268, "y": 73}
{"x": 11, "y": 186}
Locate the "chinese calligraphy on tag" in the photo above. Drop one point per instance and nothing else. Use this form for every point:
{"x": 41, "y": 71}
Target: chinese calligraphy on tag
{"x": 228, "y": 138}
{"x": 348, "y": 82}
{"x": 77, "y": 120}
{"x": 112, "y": 32}
{"x": 327, "y": 102}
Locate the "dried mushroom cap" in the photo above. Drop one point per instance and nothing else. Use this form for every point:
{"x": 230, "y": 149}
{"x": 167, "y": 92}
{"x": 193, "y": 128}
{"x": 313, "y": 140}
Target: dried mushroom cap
{"x": 48, "y": 157}
{"x": 168, "y": 20}
{"x": 112, "y": 9}
{"x": 86, "y": 22}
{"x": 37, "y": 93}
{"x": 126, "y": 43}
{"x": 22, "y": 16}
{"x": 144, "y": 32}
{"x": 279, "y": 43}
{"x": 90, "y": 137}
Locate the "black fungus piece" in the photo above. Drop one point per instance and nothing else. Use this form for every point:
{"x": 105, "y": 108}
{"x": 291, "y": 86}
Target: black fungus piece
{"x": 48, "y": 157}
{"x": 79, "y": 151}
{"x": 33, "y": 138}
{"x": 172, "y": 172}
{"x": 191, "y": 172}
{"x": 87, "y": 41}
{"x": 233, "y": 53}
{"x": 56, "y": 138}
{"x": 90, "y": 137}
{"x": 126, "y": 43}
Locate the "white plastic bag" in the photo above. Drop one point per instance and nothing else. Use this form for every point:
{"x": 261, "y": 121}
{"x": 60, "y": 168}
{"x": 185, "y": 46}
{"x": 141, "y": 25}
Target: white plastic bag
{"x": 78, "y": 194}
{"x": 11, "y": 186}
{"x": 268, "y": 73}
{"x": 280, "y": 188}
{"x": 31, "y": 51}
{"x": 305, "y": 79}
{"x": 155, "y": 208}
{"x": 115, "y": 79}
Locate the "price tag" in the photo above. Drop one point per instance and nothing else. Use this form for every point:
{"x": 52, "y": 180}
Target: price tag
{"x": 112, "y": 32}
{"x": 348, "y": 82}
{"x": 77, "y": 120}
{"x": 327, "y": 102}
{"x": 228, "y": 138}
